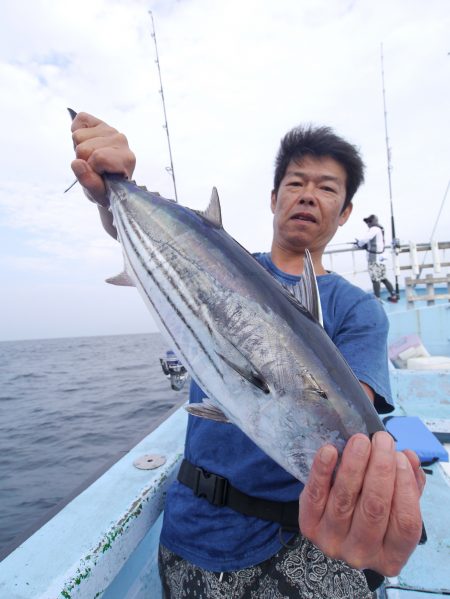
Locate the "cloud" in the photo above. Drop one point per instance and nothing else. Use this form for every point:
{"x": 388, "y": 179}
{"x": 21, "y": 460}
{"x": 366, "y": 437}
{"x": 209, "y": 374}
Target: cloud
{"x": 236, "y": 77}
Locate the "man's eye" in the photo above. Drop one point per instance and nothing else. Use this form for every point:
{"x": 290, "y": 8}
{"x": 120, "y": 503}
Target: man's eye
{"x": 295, "y": 183}
{"x": 331, "y": 189}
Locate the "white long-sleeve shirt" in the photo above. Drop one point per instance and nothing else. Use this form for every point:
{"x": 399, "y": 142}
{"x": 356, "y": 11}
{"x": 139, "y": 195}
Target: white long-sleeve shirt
{"x": 374, "y": 244}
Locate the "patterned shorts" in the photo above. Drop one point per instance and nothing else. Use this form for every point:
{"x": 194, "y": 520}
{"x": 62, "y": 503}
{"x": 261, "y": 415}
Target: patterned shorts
{"x": 377, "y": 272}
{"x": 299, "y": 570}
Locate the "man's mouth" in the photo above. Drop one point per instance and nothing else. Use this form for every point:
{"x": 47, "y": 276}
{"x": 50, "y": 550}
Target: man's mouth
{"x": 304, "y": 216}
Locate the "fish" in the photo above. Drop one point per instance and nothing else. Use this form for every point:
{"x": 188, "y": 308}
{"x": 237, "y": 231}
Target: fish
{"x": 257, "y": 349}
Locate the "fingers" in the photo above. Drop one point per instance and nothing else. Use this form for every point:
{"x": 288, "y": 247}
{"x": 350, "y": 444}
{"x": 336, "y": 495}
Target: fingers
{"x": 413, "y": 458}
{"x": 347, "y": 486}
{"x": 405, "y": 525}
{"x": 417, "y": 469}
{"x": 100, "y": 131}
{"x": 91, "y": 136}
{"x": 314, "y": 496}
{"x": 371, "y": 514}
{"x": 108, "y": 155}
{"x": 91, "y": 181}
{"x": 83, "y": 119}
{"x": 99, "y": 149}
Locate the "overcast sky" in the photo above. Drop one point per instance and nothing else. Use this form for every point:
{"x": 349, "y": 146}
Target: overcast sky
{"x": 236, "y": 75}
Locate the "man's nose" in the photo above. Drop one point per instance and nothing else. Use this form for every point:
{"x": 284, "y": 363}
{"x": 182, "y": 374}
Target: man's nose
{"x": 307, "y": 196}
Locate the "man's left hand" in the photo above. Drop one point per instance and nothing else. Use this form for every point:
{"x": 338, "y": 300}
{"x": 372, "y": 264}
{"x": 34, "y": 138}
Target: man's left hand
{"x": 370, "y": 515}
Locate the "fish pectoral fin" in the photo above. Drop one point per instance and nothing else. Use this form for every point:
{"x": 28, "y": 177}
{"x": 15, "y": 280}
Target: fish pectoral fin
{"x": 207, "y": 410}
{"x": 122, "y": 279}
{"x": 311, "y": 386}
{"x": 249, "y": 373}
{"x": 213, "y": 213}
{"x": 306, "y": 291}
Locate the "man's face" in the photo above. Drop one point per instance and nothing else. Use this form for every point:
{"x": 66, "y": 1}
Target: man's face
{"x": 308, "y": 206}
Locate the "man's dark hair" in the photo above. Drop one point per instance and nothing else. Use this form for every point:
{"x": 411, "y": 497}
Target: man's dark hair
{"x": 320, "y": 142}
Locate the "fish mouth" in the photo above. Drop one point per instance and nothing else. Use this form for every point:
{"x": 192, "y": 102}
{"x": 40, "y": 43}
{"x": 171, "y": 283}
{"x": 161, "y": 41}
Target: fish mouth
{"x": 304, "y": 216}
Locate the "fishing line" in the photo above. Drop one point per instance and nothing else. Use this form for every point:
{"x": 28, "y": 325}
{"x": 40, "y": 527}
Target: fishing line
{"x": 435, "y": 226}
{"x": 415, "y": 590}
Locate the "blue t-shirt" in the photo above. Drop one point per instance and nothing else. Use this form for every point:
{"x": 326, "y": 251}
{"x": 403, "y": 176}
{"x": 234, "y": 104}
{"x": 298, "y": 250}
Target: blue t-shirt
{"x": 219, "y": 538}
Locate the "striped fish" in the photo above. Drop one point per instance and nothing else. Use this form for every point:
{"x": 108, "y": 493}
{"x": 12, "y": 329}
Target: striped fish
{"x": 261, "y": 355}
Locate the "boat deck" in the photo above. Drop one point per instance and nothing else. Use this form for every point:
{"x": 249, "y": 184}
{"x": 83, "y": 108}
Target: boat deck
{"x": 425, "y": 394}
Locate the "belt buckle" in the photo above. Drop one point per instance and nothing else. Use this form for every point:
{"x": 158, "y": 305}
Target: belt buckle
{"x": 211, "y": 486}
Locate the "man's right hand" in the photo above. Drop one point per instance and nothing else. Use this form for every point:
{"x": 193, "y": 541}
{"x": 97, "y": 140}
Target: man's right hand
{"x": 99, "y": 149}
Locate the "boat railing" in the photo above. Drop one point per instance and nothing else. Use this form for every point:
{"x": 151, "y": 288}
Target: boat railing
{"x": 434, "y": 290}
{"x": 424, "y": 265}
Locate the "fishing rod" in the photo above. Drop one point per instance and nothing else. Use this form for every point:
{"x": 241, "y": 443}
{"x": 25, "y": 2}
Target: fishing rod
{"x": 395, "y": 241}
{"x": 170, "y": 169}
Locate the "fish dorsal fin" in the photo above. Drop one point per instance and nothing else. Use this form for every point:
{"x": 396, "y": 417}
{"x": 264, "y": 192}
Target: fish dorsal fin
{"x": 206, "y": 410}
{"x": 306, "y": 291}
{"x": 122, "y": 279}
{"x": 213, "y": 214}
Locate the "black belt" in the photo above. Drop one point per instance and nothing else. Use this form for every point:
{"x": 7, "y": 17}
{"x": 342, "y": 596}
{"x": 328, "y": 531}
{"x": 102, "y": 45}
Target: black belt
{"x": 218, "y": 491}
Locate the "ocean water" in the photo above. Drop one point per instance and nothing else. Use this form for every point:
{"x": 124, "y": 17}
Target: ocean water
{"x": 68, "y": 408}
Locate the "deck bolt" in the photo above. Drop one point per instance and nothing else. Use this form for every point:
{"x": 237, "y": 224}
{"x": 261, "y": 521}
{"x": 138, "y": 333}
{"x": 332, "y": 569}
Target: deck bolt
{"x": 149, "y": 461}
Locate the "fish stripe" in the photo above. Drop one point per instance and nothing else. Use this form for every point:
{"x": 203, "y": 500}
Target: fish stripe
{"x": 120, "y": 213}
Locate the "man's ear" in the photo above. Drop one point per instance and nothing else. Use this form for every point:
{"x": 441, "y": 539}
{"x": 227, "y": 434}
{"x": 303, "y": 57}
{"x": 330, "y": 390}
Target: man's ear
{"x": 273, "y": 201}
{"x": 345, "y": 214}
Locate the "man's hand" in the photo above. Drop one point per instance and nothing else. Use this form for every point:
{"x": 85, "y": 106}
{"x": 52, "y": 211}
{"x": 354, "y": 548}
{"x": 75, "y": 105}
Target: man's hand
{"x": 369, "y": 516}
{"x": 99, "y": 149}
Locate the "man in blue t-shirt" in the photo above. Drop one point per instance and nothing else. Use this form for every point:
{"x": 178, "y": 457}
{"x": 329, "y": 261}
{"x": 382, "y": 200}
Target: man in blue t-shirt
{"x": 358, "y": 522}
